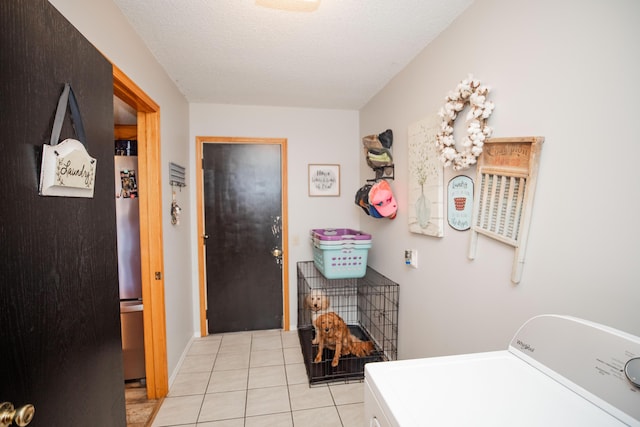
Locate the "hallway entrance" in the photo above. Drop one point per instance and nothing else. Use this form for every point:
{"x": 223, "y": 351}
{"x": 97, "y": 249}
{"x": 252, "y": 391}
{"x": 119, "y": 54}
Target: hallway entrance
{"x": 151, "y": 243}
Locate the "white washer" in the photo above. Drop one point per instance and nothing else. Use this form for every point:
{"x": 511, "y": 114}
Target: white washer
{"x": 557, "y": 371}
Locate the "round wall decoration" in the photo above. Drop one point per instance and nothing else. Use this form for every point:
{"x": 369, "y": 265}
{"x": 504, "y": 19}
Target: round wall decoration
{"x": 460, "y": 202}
{"x": 469, "y": 92}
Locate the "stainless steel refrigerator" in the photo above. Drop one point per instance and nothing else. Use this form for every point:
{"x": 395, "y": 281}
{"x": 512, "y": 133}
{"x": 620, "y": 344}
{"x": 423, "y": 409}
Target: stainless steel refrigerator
{"x": 129, "y": 275}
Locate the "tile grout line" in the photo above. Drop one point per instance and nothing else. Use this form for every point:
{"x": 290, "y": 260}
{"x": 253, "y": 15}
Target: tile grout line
{"x": 246, "y": 390}
{"x": 204, "y": 395}
{"x": 286, "y": 378}
{"x": 335, "y": 404}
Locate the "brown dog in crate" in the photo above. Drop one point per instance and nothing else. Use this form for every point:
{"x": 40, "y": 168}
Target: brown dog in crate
{"x": 334, "y": 334}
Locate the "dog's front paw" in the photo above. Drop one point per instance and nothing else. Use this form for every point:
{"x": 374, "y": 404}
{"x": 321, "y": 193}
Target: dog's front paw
{"x": 318, "y": 359}
{"x": 334, "y": 362}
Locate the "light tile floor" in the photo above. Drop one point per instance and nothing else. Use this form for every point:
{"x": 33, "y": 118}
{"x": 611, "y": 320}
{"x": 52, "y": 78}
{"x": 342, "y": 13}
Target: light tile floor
{"x": 253, "y": 379}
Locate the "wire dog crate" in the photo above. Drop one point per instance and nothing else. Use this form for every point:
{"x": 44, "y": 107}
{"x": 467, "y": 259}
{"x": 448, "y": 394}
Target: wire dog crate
{"x": 368, "y": 305}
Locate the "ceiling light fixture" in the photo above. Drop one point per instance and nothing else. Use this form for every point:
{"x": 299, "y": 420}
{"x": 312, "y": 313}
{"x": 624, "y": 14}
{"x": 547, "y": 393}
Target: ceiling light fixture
{"x": 290, "y": 5}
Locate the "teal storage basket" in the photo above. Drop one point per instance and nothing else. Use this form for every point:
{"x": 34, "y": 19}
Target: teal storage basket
{"x": 346, "y": 260}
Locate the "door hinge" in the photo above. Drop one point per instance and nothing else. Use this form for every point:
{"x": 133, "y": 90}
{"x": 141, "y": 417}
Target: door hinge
{"x": 158, "y": 275}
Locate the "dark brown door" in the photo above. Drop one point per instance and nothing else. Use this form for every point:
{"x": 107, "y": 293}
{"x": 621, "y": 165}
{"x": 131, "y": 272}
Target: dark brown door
{"x": 59, "y": 310}
{"x": 242, "y": 198}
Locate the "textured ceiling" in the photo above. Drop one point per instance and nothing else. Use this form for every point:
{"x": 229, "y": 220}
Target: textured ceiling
{"x": 237, "y": 52}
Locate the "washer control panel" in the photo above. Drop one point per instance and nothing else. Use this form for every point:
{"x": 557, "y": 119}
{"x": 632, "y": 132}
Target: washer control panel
{"x": 600, "y": 363}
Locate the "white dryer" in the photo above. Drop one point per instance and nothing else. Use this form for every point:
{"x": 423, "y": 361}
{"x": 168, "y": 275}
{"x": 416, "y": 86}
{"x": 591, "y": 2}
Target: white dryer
{"x": 557, "y": 371}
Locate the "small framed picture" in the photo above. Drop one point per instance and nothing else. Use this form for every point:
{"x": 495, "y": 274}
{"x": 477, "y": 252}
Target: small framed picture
{"x": 324, "y": 180}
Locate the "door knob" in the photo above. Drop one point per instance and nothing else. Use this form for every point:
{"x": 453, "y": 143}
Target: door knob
{"x": 276, "y": 252}
{"x": 21, "y": 416}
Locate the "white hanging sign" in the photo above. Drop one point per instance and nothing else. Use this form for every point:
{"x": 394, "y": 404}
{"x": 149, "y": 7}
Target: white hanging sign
{"x": 67, "y": 170}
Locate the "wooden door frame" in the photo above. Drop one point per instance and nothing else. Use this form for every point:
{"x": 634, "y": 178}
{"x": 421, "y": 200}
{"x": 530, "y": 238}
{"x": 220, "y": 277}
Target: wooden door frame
{"x": 151, "y": 249}
{"x": 200, "y": 141}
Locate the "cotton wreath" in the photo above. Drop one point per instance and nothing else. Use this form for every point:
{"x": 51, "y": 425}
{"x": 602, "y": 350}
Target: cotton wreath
{"x": 471, "y": 92}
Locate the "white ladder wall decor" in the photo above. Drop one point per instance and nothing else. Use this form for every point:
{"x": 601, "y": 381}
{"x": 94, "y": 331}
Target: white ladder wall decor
{"x": 506, "y": 182}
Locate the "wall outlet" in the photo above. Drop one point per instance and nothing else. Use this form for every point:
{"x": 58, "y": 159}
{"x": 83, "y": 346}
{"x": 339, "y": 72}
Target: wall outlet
{"x": 411, "y": 257}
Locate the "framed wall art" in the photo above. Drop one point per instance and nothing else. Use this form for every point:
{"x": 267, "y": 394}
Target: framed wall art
{"x": 324, "y": 180}
{"x": 426, "y": 190}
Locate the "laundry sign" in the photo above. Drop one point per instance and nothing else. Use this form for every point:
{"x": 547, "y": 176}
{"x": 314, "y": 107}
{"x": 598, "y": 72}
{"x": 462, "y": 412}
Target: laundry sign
{"x": 67, "y": 168}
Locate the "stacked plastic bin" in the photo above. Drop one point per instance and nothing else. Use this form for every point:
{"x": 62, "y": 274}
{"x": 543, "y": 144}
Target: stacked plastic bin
{"x": 340, "y": 253}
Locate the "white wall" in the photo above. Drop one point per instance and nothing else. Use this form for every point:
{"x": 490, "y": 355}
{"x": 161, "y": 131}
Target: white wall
{"x": 313, "y": 136}
{"x": 102, "y": 23}
{"x": 564, "y": 70}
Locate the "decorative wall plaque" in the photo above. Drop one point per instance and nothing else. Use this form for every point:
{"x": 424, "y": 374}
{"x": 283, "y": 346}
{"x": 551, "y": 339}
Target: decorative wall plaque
{"x": 460, "y": 202}
{"x": 324, "y": 180}
{"x": 505, "y": 187}
{"x": 67, "y": 170}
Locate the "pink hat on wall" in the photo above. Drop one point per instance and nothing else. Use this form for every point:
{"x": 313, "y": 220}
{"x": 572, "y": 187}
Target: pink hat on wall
{"x": 381, "y": 198}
